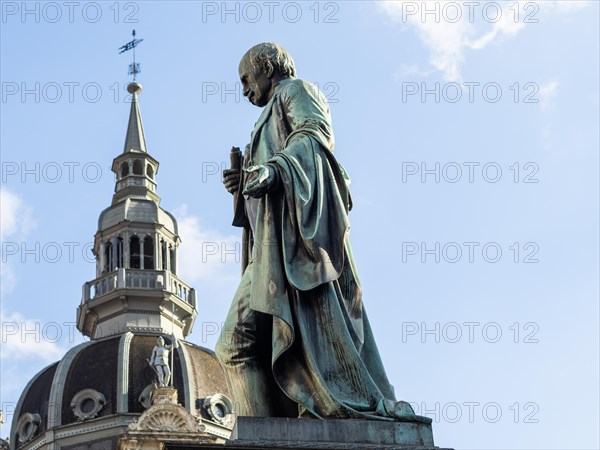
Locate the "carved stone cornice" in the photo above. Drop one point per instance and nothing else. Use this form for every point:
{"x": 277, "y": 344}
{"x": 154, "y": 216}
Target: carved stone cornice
{"x": 168, "y": 421}
{"x": 167, "y": 417}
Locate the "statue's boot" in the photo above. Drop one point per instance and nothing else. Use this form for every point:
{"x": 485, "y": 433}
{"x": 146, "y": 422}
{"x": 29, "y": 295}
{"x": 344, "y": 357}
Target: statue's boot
{"x": 401, "y": 411}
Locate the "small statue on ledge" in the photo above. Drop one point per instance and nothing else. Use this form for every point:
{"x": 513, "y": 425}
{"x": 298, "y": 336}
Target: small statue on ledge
{"x": 160, "y": 360}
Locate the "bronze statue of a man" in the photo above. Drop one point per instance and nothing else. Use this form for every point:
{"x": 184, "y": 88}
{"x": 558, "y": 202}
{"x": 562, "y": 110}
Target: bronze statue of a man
{"x": 297, "y": 341}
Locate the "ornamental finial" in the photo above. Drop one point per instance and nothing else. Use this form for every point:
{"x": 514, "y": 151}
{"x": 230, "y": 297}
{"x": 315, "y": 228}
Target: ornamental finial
{"x": 134, "y": 68}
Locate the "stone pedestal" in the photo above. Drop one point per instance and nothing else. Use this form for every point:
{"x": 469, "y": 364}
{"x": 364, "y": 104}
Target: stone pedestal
{"x": 164, "y": 395}
{"x": 253, "y": 433}
{"x": 312, "y": 433}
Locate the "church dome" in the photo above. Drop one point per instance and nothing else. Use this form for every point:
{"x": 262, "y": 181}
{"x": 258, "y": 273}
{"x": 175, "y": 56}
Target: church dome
{"x": 99, "y": 387}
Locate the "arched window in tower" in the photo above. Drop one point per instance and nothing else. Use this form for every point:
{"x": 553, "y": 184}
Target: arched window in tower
{"x": 119, "y": 253}
{"x": 172, "y": 260}
{"x": 148, "y": 253}
{"x": 138, "y": 168}
{"x": 107, "y": 257}
{"x": 134, "y": 251}
{"x": 124, "y": 169}
{"x": 163, "y": 253}
{"x": 150, "y": 171}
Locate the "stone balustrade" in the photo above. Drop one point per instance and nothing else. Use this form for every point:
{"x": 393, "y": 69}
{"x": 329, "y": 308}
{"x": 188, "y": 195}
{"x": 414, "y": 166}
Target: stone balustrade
{"x": 138, "y": 279}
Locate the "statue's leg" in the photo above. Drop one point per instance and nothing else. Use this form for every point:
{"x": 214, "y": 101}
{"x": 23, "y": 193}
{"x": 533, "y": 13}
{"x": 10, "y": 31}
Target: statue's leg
{"x": 161, "y": 378}
{"x": 241, "y": 352}
{"x": 167, "y": 375}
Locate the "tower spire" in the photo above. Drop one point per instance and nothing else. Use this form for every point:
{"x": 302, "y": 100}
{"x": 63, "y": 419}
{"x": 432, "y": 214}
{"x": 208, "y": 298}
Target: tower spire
{"x": 135, "y": 139}
{"x": 134, "y": 168}
{"x": 136, "y": 286}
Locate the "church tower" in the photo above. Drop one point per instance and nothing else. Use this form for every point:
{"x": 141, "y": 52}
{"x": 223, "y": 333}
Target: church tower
{"x": 136, "y": 286}
{"x": 114, "y": 391}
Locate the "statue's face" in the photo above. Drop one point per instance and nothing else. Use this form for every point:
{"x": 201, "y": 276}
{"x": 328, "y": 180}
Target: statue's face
{"x": 257, "y": 85}
{"x": 160, "y": 341}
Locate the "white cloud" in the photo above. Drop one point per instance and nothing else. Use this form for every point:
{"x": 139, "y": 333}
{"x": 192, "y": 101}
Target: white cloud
{"x": 450, "y": 29}
{"x": 206, "y": 256}
{"x": 506, "y": 25}
{"x": 445, "y": 40}
{"x": 547, "y": 93}
{"x": 15, "y": 222}
{"x": 26, "y": 338}
{"x": 15, "y": 216}
{"x": 9, "y": 279}
{"x": 21, "y": 337}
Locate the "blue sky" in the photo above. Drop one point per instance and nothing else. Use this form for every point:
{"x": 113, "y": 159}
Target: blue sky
{"x": 470, "y": 135}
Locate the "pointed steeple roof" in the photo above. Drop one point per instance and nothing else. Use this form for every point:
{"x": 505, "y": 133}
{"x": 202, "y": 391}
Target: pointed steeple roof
{"x": 136, "y": 286}
{"x": 135, "y": 140}
{"x": 135, "y": 168}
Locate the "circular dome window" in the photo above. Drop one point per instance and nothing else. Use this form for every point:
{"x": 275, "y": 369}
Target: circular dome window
{"x": 27, "y": 427}
{"x": 87, "y": 403}
{"x": 220, "y": 409}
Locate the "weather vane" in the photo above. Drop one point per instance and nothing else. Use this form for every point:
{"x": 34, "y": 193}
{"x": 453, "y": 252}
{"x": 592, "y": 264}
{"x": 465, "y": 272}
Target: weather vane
{"x": 134, "y": 68}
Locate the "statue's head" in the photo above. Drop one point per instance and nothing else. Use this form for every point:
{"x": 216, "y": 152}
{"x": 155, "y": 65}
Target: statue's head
{"x": 160, "y": 341}
{"x": 262, "y": 68}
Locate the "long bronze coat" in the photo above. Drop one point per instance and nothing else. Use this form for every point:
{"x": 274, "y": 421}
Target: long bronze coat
{"x": 324, "y": 355}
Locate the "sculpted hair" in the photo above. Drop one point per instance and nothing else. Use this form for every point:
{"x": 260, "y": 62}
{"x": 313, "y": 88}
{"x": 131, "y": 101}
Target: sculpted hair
{"x": 271, "y": 52}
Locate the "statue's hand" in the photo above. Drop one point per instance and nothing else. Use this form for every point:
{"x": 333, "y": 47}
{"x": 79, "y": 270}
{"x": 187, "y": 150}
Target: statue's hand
{"x": 261, "y": 179}
{"x": 231, "y": 180}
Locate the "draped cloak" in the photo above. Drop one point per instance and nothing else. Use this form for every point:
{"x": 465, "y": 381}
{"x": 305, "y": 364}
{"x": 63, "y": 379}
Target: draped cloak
{"x": 323, "y": 354}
